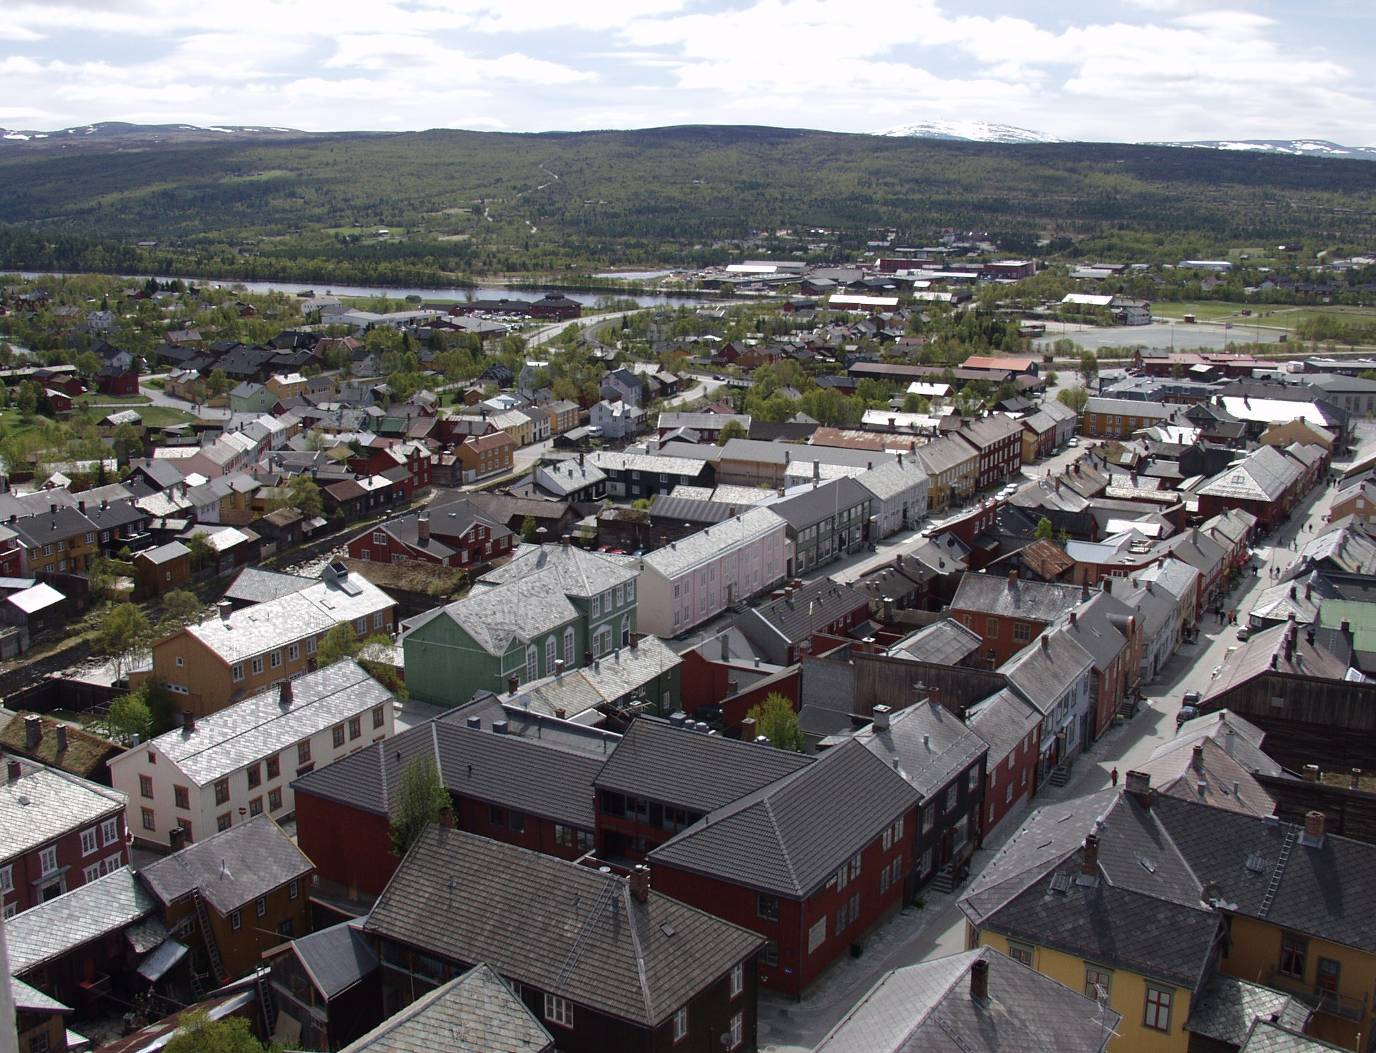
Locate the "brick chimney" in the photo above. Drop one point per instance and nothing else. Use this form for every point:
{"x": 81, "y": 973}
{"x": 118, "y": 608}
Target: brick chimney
{"x": 640, "y": 883}
{"x": 1313, "y": 827}
{"x": 1197, "y": 761}
{"x": 423, "y": 528}
{"x": 61, "y": 730}
{"x": 446, "y": 817}
{"x": 881, "y": 717}
{"x": 1138, "y": 786}
{"x": 512, "y": 683}
{"x": 188, "y": 722}
{"x": 979, "y": 980}
{"x": 176, "y": 838}
{"x": 1012, "y": 579}
{"x": 1089, "y": 859}
{"x": 284, "y": 694}
{"x": 33, "y": 730}
{"x": 13, "y": 770}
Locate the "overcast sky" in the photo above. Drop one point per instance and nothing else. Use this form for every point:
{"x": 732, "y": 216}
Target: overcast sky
{"x": 1118, "y": 70}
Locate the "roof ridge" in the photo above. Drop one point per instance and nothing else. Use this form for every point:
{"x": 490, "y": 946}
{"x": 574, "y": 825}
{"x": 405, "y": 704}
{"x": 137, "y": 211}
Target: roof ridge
{"x": 779, "y": 839}
{"x": 638, "y": 950}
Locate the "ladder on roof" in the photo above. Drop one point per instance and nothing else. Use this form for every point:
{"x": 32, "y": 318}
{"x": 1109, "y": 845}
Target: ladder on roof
{"x": 266, "y": 1002}
{"x": 1277, "y": 873}
{"x": 217, "y": 965}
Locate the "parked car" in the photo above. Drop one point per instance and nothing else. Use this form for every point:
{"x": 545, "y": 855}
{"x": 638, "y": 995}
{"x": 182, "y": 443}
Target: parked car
{"x": 1073, "y": 441}
{"x": 1244, "y": 632}
{"x": 1189, "y": 707}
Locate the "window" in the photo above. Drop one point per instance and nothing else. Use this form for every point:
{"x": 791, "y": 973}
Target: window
{"x": 378, "y": 617}
{"x": 1098, "y": 983}
{"x": 1158, "y": 1011}
{"x": 255, "y": 806}
{"x": 236, "y": 671}
{"x": 770, "y": 955}
{"x": 275, "y": 659}
{"x": 361, "y": 625}
{"x": 681, "y": 1024}
{"x": 38, "y": 1042}
{"x": 1022, "y": 632}
{"x": 310, "y": 645}
{"x": 991, "y": 628}
{"x": 855, "y": 867}
{"x": 109, "y": 831}
{"x": 928, "y": 818}
{"x": 767, "y": 907}
{"x": 303, "y": 752}
{"x": 355, "y": 727}
{"x": 274, "y": 766}
{"x": 222, "y": 822}
{"x": 145, "y": 786}
{"x": 221, "y": 791}
{"x": 181, "y": 797}
{"x": 597, "y": 605}
{"x": 532, "y": 663}
{"x": 235, "y": 920}
{"x": 91, "y": 872}
{"x": 972, "y": 780}
{"x": 737, "y": 1032}
{"x": 294, "y": 652}
{"x": 181, "y": 661}
{"x": 338, "y": 736}
{"x": 149, "y": 820}
{"x": 256, "y": 665}
{"x": 88, "y": 841}
{"x": 551, "y": 654}
{"x": 737, "y": 980}
{"x": 1293, "y": 950}
{"x": 260, "y": 906}
{"x": 293, "y": 889}
{"x": 378, "y": 717}
{"x": 817, "y": 935}
{"x": 568, "y": 647}
{"x": 274, "y": 799}
{"x": 1330, "y": 972}
{"x": 517, "y": 822}
{"x": 558, "y": 1011}
{"x": 47, "y": 859}
{"x": 255, "y": 775}
{"x": 7, "y": 878}
{"x": 1020, "y": 952}
{"x": 630, "y": 591}
{"x": 379, "y": 537}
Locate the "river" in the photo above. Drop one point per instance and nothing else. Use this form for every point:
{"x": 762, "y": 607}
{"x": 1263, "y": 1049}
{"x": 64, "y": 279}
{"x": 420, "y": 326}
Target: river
{"x": 480, "y": 292}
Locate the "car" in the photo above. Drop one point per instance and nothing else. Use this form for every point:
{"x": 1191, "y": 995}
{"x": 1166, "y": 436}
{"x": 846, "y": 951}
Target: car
{"x": 1244, "y": 632}
{"x": 1073, "y": 441}
{"x": 1190, "y": 698}
{"x": 1186, "y": 713}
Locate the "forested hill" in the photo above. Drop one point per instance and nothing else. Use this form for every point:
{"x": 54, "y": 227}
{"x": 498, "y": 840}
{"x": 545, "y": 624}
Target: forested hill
{"x": 482, "y": 201}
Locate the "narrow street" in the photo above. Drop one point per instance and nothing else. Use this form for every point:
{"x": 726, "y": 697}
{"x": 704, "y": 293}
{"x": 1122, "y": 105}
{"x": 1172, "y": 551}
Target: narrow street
{"x": 938, "y": 927}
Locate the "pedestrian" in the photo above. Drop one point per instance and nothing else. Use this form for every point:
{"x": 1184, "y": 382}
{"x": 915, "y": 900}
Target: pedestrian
{"x": 1113, "y": 776}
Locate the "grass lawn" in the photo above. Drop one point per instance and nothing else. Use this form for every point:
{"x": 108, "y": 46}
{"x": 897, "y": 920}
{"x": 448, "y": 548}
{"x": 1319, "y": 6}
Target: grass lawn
{"x": 1272, "y": 315}
{"x": 164, "y": 416}
{"x": 95, "y": 398}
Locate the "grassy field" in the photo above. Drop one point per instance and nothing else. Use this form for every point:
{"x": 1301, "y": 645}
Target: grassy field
{"x": 95, "y": 398}
{"x": 1276, "y": 316}
{"x": 164, "y": 416}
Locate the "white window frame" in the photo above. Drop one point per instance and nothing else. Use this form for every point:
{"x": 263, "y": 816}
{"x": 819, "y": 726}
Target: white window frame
{"x": 680, "y": 1024}
{"x": 817, "y": 935}
{"x": 737, "y": 979}
{"x": 256, "y": 666}
{"x": 736, "y": 1034}
{"x": 47, "y": 860}
{"x": 90, "y": 873}
{"x": 236, "y": 671}
{"x": 109, "y": 831}
{"x": 559, "y": 1011}
{"x": 7, "y": 878}
{"x": 88, "y": 841}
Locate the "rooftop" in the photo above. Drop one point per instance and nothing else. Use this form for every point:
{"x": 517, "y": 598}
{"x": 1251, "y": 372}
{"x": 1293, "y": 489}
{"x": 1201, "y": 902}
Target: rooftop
{"x": 43, "y": 804}
{"x": 230, "y": 868}
{"x": 50, "y": 929}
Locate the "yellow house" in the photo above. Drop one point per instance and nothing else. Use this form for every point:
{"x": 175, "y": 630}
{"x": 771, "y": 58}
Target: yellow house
{"x": 1151, "y": 899}
{"x": 952, "y": 468}
{"x": 286, "y": 385}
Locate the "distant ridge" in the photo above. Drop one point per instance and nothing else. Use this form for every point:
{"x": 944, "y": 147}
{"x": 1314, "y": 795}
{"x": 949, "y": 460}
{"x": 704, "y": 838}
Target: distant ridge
{"x": 1293, "y": 147}
{"x": 969, "y": 132}
{"x": 117, "y": 133}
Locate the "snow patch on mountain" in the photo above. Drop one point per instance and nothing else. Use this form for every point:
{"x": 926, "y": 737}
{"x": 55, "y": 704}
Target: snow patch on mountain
{"x": 968, "y": 131}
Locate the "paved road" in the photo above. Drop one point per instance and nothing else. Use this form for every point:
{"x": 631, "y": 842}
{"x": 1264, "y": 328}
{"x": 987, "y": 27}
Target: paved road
{"x": 939, "y": 928}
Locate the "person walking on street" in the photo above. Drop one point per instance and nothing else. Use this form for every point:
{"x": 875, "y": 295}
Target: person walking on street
{"x": 1113, "y": 776}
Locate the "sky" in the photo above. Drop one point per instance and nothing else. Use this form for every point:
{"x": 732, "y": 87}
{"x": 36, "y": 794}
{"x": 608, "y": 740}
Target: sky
{"x": 1102, "y": 70}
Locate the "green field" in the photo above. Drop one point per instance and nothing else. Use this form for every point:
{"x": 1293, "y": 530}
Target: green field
{"x": 164, "y": 416}
{"x": 1274, "y": 316}
{"x": 95, "y": 398}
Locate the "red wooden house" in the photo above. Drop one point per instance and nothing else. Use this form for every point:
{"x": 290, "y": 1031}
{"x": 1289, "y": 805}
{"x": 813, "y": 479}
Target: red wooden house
{"x": 450, "y": 535}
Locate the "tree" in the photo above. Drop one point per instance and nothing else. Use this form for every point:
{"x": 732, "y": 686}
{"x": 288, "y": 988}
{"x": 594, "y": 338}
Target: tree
{"x": 302, "y": 493}
{"x": 28, "y": 398}
{"x": 1045, "y": 531}
{"x": 127, "y": 443}
{"x": 124, "y": 630}
{"x": 1089, "y": 365}
{"x": 734, "y": 430}
{"x": 340, "y": 642}
{"x": 528, "y": 529}
{"x": 1075, "y": 398}
{"x": 419, "y": 799}
{"x": 776, "y": 719}
{"x": 129, "y": 716}
{"x": 199, "y": 1034}
{"x": 202, "y": 555}
{"x": 182, "y": 607}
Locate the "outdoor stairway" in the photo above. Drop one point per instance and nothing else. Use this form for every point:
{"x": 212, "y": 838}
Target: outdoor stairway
{"x": 945, "y": 880}
{"x": 1060, "y": 775}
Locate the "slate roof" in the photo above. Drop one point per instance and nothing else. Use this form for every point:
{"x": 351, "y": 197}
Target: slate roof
{"x": 790, "y": 619}
{"x": 946, "y": 642}
{"x": 816, "y": 503}
{"x": 43, "y": 804}
{"x": 473, "y": 1013}
{"x": 1210, "y": 776}
{"x": 1047, "y": 668}
{"x": 1263, "y": 475}
{"x": 565, "y": 929}
{"x": 1240, "y": 739}
{"x": 1030, "y": 600}
{"x": 578, "y": 572}
{"x": 931, "y": 745}
{"x": 50, "y": 527}
{"x": 255, "y": 585}
{"x": 1227, "y": 1006}
{"x": 336, "y": 957}
{"x": 789, "y": 836}
{"x": 231, "y": 868}
{"x": 1266, "y": 1037}
{"x": 86, "y": 754}
{"x": 51, "y": 929}
{"x": 1256, "y": 656}
{"x": 1002, "y": 721}
{"x": 260, "y": 725}
{"x": 687, "y": 768}
{"x": 611, "y": 677}
{"x": 733, "y": 533}
{"x": 533, "y": 775}
{"x": 928, "y": 1007}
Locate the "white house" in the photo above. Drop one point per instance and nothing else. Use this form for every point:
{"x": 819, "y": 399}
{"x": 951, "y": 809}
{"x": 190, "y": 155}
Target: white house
{"x": 900, "y": 495}
{"x": 618, "y": 420}
{"x": 699, "y": 576}
{"x": 224, "y": 769}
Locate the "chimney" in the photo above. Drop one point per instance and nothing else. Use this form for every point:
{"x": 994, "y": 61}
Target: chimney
{"x": 748, "y": 729}
{"x": 176, "y": 838}
{"x": 1311, "y": 773}
{"x": 225, "y": 608}
{"x": 1107, "y": 582}
{"x": 1313, "y": 827}
{"x": 1012, "y": 579}
{"x": 423, "y": 528}
{"x": 1089, "y": 861}
{"x": 1356, "y": 780}
{"x": 979, "y": 981}
{"x": 1046, "y": 643}
{"x": 475, "y": 723}
{"x": 512, "y": 683}
{"x": 13, "y": 770}
{"x": 1084, "y": 591}
{"x": 881, "y": 717}
{"x": 499, "y": 727}
{"x": 446, "y": 817}
{"x": 1138, "y": 786}
{"x": 61, "y": 730}
{"x": 33, "y": 730}
{"x": 639, "y": 882}
{"x": 284, "y": 694}
{"x": 1197, "y": 761}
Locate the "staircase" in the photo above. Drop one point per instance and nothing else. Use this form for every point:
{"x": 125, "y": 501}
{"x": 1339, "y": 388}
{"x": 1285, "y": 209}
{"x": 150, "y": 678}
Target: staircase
{"x": 1060, "y": 775}
{"x": 217, "y": 965}
{"x": 945, "y": 880}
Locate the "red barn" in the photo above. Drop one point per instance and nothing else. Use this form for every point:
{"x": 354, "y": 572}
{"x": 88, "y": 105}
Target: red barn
{"x": 451, "y": 535}
{"x": 112, "y": 380}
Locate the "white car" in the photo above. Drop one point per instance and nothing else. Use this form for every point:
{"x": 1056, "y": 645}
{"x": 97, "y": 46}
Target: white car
{"x": 1073, "y": 441}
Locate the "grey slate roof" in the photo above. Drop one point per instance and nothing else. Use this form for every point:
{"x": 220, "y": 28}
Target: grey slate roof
{"x": 930, "y": 744}
{"x": 928, "y": 1007}
{"x": 1047, "y": 668}
{"x": 719, "y": 538}
{"x": 1002, "y": 721}
{"x": 45, "y": 803}
{"x": 473, "y": 1013}
{"x": 1267, "y": 1037}
{"x": 578, "y": 572}
{"x": 693, "y": 770}
{"x": 1227, "y": 1006}
{"x": 48, "y": 930}
{"x": 556, "y": 926}
{"x": 1263, "y": 475}
{"x": 820, "y": 502}
{"x": 1032, "y": 600}
{"x": 790, "y": 619}
{"x": 336, "y": 958}
{"x": 946, "y": 642}
{"x": 255, "y": 585}
{"x": 531, "y": 775}
{"x": 790, "y": 836}
{"x": 231, "y": 868}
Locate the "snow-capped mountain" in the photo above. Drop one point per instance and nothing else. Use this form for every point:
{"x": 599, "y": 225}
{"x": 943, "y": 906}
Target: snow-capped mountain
{"x": 116, "y": 132}
{"x": 969, "y": 131}
{"x": 1294, "y": 147}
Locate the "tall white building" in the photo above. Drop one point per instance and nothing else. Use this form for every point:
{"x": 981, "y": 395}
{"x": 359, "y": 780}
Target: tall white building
{"x": 224, "y": 769}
